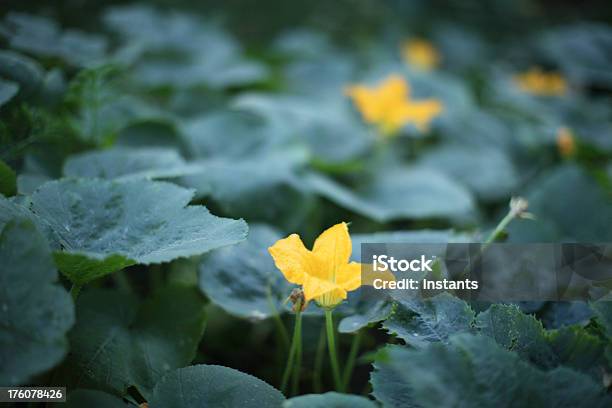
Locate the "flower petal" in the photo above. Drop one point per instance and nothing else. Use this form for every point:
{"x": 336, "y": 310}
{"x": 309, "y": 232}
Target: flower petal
{"x": 348, "y": 276}
{"x": 293, "y": 259}
{"x": 315, "y": 288}
{"x": 333, "y": 248}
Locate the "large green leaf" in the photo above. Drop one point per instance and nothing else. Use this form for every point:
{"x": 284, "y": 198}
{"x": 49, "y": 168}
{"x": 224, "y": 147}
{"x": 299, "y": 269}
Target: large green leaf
{"x": 228, "y": 133}
{"x": 400, "y": 193}
{"x": 325, "y": 125}
{"x": 419, "y": 322}
{"x": 515, "y": 331}
{"x": 603, "y": 311}
{"x": 129, "y": 163}
{"x": 22, "y": 70}
{"x": 242, "y": 279}
{"x": 474, "y": 371}
{"x": 213, "y": 386}
{"x": 488, "y": 172}
{"x": 8, "y": 180}
{"x": 576, "y": 348}
{"x": 8, "y": 89}
{"x": 35, "y": 312}
{"x": 119, "y": 342}
{"x": 10, "y": 209}
{"x": 569, "y": 202}
{"x": 329, "y": 400}
{"x": 42, "y": 37}
{"x": 101, "y": 226}
{"x": 559, "y": 314}
{"x": 582, "y": 51}
{"x": 243, "y": 187}
{"x": 366, "y": 312}
{"x": 204, "y": 54}
{"x": 101, "y": 108}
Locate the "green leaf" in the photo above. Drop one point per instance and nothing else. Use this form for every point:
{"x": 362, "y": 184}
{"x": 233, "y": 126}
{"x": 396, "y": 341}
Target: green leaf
{"x": 603, "y": 311}
{"x": 102, "y": 107}
{"x": 576, "y": 348}
{"x": 235, "y": 184}
{"x": 516, "y": 331}
{"x": 466, "y": 164}
{"x": 400, "y": 193}
{"x": 582, "y": 52}
{"x": 10, "y": 209}
{"x": 215, "y": 386}
{"x": 329, "y": 400}
{"x": 569, "y": 202}
{"x": 366, "y": 313}
{"x": 119, "y": 342}
{"x": 93, "y": 399}
{"x": 129, "y": 163}
{"x": 8, "y": 180}
{"x": 419, "y": 322}
{"x": 8, "y": 89}
{"x": 35, "y": 312}
{"x": 326, "y": 125}
{"x": 42, "y": 37}
{"x": 22, "y": 70}
{"x": 242, "y": 279}
{"x": 474, "y": 371}
{"x": 204, "y": 54}
{"x": 100, "y": 226}
{"x": 244, "y": 134}
{"x": 157, "y": 132}
{"x": 558, "y": 314}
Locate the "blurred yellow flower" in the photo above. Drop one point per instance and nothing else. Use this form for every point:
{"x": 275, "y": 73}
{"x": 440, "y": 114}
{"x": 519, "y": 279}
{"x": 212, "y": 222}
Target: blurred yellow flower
{"x": 537, "y": 82}
{"x": 420, "y": 54}
{"x": 388, "y": 105}
{"x": 566, "y": 143}
{"x": 325, "y": 273}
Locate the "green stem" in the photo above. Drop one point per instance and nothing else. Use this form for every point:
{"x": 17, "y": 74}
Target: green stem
{"x": 75, "y": 290}
{"x": 318, "y": 363}
{"x": 350, "y": 362}
{"x": 297, "y": 332}
{"x": 331, "y": 346}
{"x": 298, "y": 358}
{"x": 497, "y": 232}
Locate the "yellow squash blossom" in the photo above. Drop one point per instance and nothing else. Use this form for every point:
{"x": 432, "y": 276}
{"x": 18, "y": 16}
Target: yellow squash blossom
{"x": 540, "y": 83}
{"x": 420, "y": 54}
{"x": 566, "y": 143}
{"x": 325, "y": 273}
{"x": 388, "y": 105}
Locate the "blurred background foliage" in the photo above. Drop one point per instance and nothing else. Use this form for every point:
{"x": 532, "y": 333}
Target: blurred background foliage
{"x": 245, "y": 103}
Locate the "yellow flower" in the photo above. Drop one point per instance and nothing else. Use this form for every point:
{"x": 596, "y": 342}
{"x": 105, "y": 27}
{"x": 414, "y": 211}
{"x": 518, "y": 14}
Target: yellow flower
{"x": 566, "y": 143}
{"x": 540, "y": 83}
{"x": 388, "y": 105}
{"x": 325, "y": 273}
{"x": 420, "y": 54}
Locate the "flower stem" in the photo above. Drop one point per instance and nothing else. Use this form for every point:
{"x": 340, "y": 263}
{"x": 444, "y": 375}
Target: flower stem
{"x": 75, "y": 290}
{"x": 498, "y": 231}
{"x": 297, "y": 333}
{"x": 350, "y": 362}
{"x": 298, "y": 356}
{"x": 331, "y": 346}
{"x": 318, "y": 363}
